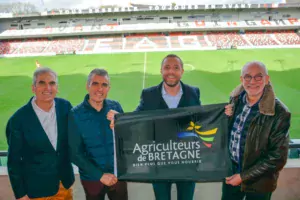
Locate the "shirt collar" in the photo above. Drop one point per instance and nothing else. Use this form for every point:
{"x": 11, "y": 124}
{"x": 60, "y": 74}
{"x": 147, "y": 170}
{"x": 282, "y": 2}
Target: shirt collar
{"x": 244, "y": 99}
{"x": 164, "y": 92}
{"x": 36, "y": 107}
{"x": 88, "y": 105}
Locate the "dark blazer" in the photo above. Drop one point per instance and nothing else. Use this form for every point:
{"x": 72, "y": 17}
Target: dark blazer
{"x": 35, "y": 168}
{"x": 151, "y": 98}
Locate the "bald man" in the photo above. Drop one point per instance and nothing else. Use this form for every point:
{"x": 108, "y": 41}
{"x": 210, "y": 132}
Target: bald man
{"x": 259, "y": 136}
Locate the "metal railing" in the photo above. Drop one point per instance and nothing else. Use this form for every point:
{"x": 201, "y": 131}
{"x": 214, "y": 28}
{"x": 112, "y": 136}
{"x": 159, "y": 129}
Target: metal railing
{"x": 287, "y": 183}
{"x": 294, "y": 144}
{"x": 3, "y": 153}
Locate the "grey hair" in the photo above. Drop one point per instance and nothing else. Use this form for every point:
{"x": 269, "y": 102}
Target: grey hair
{"x": 43, "y": 70}
{"x": 258, "y": 63}
{"x": 99, "y": 72}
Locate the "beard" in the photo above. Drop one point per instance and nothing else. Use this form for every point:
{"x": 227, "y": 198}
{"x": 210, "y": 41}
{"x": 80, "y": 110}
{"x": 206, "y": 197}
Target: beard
{"x": 172, "y": 84}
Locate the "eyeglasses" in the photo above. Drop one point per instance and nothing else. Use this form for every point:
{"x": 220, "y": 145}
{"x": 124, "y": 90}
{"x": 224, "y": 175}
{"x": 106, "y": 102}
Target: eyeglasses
{"x": 248, "y": 78}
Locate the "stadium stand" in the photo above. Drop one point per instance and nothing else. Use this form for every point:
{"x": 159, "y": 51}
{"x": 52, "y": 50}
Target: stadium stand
{"x": 226, "y": 39}
{"x": 258, "y": 38}
{"x": 194, "y": 40}
{"x": 32, "y": 46}
{"x": 9, "y": 47}
{"x": 287, "y": 37}
{"x": 65, "y": 46}
{"x": 198, "y": 29}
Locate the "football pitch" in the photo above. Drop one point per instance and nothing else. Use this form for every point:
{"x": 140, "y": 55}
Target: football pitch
{"x": 216, "y": 73}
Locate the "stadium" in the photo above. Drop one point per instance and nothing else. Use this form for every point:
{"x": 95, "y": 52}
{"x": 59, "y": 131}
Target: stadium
{"x": 129, "y": 41}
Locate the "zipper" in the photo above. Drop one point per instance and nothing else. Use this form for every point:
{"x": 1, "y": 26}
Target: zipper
{"x": 250, "y": 127}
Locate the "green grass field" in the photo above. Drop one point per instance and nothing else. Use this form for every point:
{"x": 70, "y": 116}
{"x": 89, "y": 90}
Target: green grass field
{"x": 216, "y": 73}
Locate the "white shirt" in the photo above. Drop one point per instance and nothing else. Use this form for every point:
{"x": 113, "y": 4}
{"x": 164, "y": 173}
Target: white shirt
{"x": 48, "y": 121}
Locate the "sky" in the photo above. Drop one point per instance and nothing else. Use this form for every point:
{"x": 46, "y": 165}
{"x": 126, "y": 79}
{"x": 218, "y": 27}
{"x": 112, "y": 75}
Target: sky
{"x": 50, "y": 4}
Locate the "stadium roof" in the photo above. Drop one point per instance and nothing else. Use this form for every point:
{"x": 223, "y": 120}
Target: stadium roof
{"x": 293, "y": 1}
{"x": 81, "y": 4}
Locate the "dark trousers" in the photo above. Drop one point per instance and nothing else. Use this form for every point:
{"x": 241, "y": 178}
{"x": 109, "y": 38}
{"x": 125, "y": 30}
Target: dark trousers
{"x": 230, "y": 192}
{"x": 185, "y": 190}
{"x": 95, "y": 190}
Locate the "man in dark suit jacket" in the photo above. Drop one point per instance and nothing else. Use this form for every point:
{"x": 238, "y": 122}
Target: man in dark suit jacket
{"x": 171, "y": 93}
{"x": 38, "y": 160}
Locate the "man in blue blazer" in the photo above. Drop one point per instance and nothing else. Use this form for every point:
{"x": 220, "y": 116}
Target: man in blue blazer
{"x": 38, "y": 160}
{"x": 171, "y": 93}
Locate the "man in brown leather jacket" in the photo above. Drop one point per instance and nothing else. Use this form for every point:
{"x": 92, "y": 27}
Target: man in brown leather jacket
{"x": 259, "y": 136}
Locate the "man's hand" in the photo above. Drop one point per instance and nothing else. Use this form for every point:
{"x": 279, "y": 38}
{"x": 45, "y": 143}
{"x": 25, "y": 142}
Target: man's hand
{"x": 234, "y": 180}
{"x": 108, "y": 179}
{"x": 111, "y": 117}
{"x": 112, "y": 124}
{"x": 229, "y": 110}
{"x": 24, "y": 198}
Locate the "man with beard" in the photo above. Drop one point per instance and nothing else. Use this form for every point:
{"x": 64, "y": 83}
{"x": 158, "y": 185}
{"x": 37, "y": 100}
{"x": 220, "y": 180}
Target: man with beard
{"x": 259, "y": 136}
{"x": 171, "y": 93}
{"x": 91, "y": 140}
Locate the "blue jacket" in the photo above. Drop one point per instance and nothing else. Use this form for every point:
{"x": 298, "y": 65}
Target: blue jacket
{"x": 91, "y": 139}
{"x": 151, "y": 98}
{"x": 35, "y": 168}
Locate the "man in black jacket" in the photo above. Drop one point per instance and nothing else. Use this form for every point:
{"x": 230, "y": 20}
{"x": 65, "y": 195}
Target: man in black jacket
{"x": 171, "y": 93}
{"x": 259, "y": 136}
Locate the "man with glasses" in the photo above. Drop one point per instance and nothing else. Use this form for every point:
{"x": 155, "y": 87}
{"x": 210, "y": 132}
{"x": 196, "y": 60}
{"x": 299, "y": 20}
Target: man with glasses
{"x": 91, "y": 140}
{"x": 259, "y": 136}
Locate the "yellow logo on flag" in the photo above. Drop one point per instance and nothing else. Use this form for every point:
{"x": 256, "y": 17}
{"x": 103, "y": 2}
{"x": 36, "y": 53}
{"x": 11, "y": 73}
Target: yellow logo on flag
{"x": 207, "y": 137}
